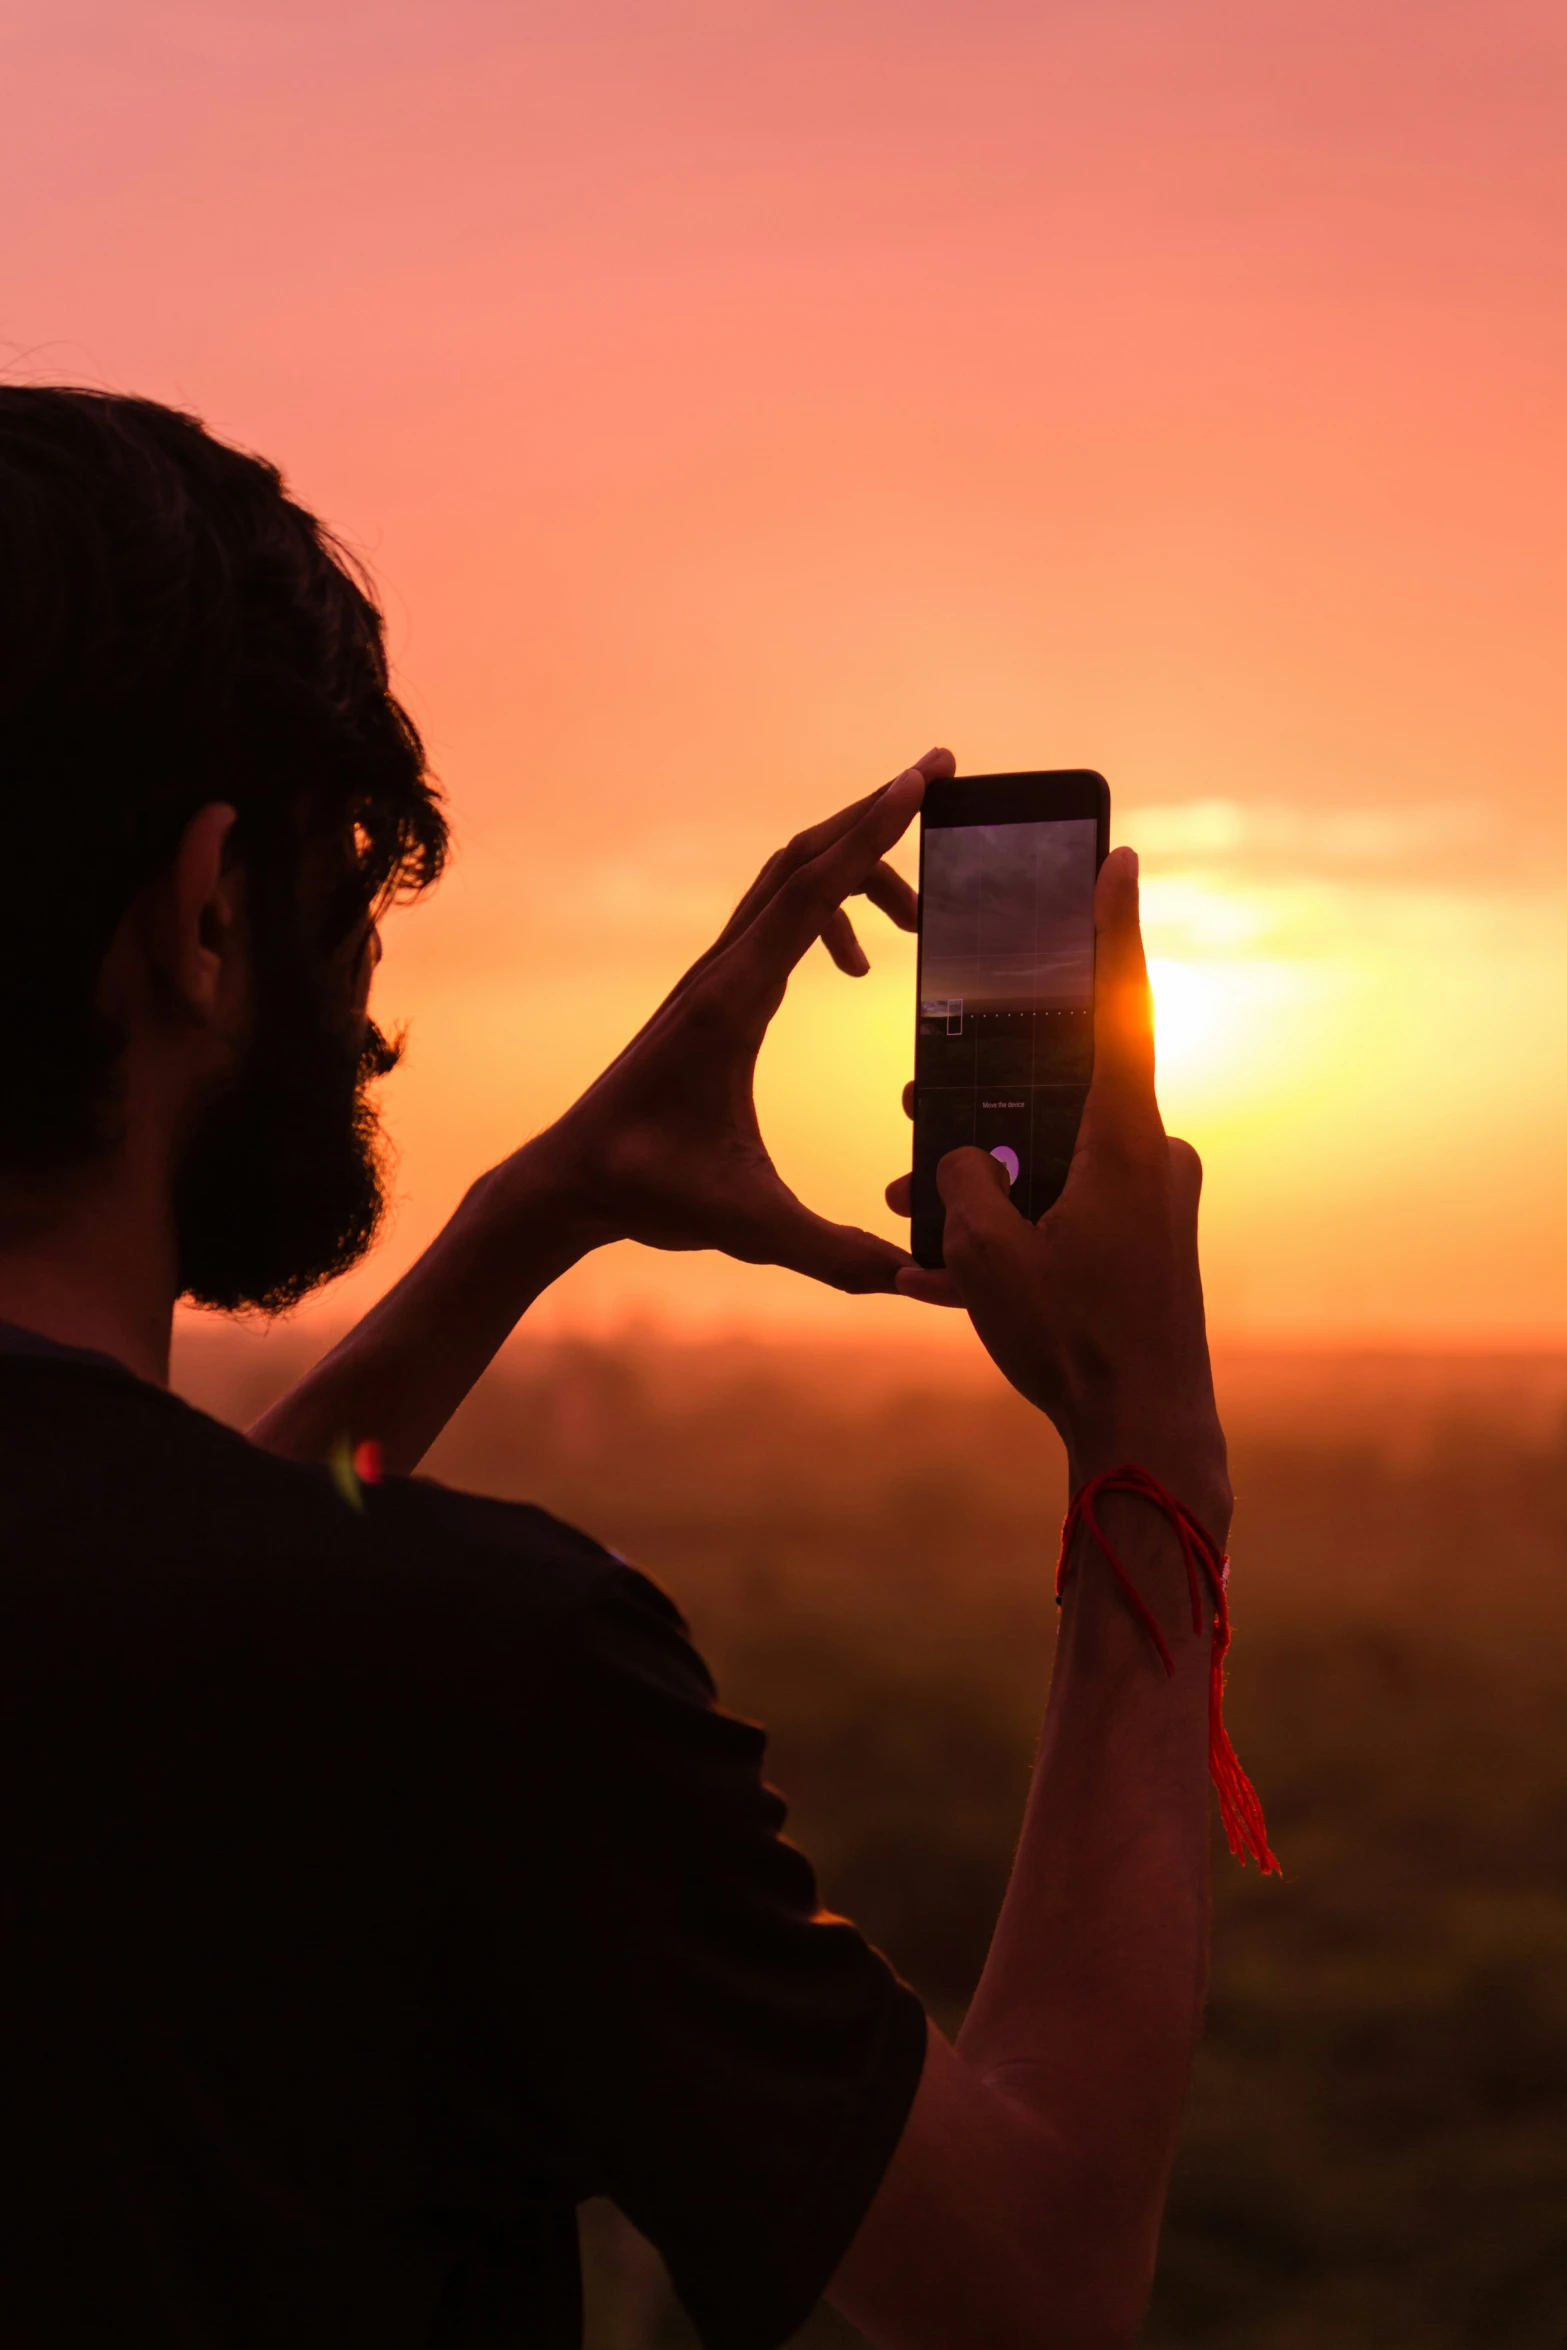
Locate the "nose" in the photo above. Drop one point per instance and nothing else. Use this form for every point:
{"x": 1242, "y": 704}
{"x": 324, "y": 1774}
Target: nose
{"x": 369, "y": 957}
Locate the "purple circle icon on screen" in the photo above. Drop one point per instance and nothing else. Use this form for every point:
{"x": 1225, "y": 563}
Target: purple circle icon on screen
{"x": 1008, "y": 1159}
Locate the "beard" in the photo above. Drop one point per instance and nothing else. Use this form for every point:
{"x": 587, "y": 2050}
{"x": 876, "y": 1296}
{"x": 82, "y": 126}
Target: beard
{"x": 284, "y": 1183}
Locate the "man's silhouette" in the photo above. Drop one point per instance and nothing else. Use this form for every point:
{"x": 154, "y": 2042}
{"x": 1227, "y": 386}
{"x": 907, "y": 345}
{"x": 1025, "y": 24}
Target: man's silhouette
{"x": 378, "y": 1874}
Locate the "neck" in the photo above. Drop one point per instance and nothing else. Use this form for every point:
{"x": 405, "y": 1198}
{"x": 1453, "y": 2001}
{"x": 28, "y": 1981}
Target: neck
{"x": 93, "y": 1263}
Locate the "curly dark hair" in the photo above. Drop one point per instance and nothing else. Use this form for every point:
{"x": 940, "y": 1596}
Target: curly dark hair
{"x": 174, "y": 630}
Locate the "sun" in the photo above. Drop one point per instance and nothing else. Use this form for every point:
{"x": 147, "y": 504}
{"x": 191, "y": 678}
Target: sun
{"x": 1192, "y": 1014}
{"x": 1244, "y": 1032}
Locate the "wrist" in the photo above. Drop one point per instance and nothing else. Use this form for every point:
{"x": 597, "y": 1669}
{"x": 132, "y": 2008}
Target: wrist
{"x": 1186, "y": 1454}
{"x": 539, "y": 1200}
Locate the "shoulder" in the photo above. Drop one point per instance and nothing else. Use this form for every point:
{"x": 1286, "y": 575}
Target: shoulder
{"x": 100, "y": 1468}
{"x": 519, "y": 1593}
{"x": 498, "y": 1553}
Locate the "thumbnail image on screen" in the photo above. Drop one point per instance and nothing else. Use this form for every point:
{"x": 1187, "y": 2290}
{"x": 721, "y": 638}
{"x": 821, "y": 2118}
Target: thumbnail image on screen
{"x": 1006, "y": 992}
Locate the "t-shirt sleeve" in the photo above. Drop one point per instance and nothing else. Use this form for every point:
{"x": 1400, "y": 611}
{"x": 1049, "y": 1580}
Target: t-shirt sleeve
{"x": 737, "y": 2066}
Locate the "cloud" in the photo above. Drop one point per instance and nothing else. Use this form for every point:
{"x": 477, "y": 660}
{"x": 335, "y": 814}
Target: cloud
{"x": 1462, "y": 841}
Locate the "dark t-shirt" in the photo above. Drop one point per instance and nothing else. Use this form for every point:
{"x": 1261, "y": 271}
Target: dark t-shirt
{"x": 372, "y": 1889}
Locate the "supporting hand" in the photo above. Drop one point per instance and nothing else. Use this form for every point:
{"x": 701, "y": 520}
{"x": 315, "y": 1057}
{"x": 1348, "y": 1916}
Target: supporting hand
{"x": 665, "y": 1148}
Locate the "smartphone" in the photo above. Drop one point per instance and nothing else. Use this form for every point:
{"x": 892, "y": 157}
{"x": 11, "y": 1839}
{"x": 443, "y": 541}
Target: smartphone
{"x": 1004, "y": 1035}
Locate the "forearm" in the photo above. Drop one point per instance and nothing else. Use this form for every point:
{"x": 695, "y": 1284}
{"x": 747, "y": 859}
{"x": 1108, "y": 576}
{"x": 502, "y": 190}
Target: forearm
{"x": 1088, "y": 2010}
{"x": 402, "y": 1371}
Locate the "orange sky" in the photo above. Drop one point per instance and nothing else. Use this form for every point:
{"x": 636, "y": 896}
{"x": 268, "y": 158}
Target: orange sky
{"x": 735, "y": 398}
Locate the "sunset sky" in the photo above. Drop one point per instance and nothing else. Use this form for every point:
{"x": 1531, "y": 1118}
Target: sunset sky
{"x": 734, "y": 397}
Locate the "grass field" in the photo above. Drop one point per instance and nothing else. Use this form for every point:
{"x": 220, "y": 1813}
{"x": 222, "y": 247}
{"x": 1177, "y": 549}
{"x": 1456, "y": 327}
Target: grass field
{"x": 1375, "y": 2156}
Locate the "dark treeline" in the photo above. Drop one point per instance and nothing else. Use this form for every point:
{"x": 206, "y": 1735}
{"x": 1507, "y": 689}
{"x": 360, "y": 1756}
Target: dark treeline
{"x": 1376, "y": 2153}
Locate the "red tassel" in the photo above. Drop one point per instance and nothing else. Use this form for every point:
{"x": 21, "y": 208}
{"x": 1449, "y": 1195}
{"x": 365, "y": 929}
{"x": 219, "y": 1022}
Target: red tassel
{"x": 1239, "y": 1805}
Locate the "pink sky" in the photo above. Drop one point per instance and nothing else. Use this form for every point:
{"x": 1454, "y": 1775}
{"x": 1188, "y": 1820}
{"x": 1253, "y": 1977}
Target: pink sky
{"x": 734, "y": 399}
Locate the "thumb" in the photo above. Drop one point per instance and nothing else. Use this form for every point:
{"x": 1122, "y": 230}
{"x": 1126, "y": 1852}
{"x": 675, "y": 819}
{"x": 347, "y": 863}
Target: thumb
{"x": 1185, "y": 1185}
{"x": 1123, "y": 1008}
{"x": 984, "y": 1239}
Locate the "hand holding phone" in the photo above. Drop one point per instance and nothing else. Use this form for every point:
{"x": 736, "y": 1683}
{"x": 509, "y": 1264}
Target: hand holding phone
{"x": 1095, "y": 1311}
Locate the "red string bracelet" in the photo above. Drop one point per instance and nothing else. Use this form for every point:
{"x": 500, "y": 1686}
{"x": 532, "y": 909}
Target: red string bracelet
{"x": 1239, "y": 1806}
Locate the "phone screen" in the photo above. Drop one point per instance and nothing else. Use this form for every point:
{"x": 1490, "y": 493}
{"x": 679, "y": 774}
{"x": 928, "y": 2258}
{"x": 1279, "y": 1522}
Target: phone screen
{"x": 1004, "y": 1042}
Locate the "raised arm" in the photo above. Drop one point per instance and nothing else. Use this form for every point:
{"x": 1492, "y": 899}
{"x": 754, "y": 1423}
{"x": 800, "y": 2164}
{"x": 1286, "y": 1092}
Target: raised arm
{"x": 664, "y": 1149}
{"x": 1023, "y": 2205}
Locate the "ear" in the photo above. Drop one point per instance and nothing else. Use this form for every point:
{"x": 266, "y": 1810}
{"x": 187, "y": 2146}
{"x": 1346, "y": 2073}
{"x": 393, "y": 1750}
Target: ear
{"x": 203, "y": 907}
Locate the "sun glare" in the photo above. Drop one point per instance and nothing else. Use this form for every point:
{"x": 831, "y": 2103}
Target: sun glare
{"x": 1190, "y": 1013}
{"x": 1242, "y": 1033}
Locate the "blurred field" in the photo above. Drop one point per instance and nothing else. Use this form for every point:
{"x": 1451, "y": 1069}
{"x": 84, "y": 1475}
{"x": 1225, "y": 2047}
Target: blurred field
{"x": 1376, "y": 2153}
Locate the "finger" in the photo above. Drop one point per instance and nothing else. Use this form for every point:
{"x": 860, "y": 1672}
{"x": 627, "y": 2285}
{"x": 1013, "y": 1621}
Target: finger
{"x": 896, "y": 899}
{"x": 787, "y": 860}
{"x": 984, "y": 1240}
{"x": 894, "y": 896}
{"x": 968, "y": 1175}
{"x": 1185, "y": 1200}
{"x": 930, "y": 1287}
{"x": 1123, "y": 1007}
{"x": 1185, "y": 1183}
{"x": 799, "y": 911}
{"x": 845, "y": 949}
{"x": 908, "y": 1099}
{"x": 811, "y": 843}
{"x": 899, "y": 1195}
{"x": 841, "y": 1255}
{"x": 817, "y": 838}
{"x": 1122, "y": 1107}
